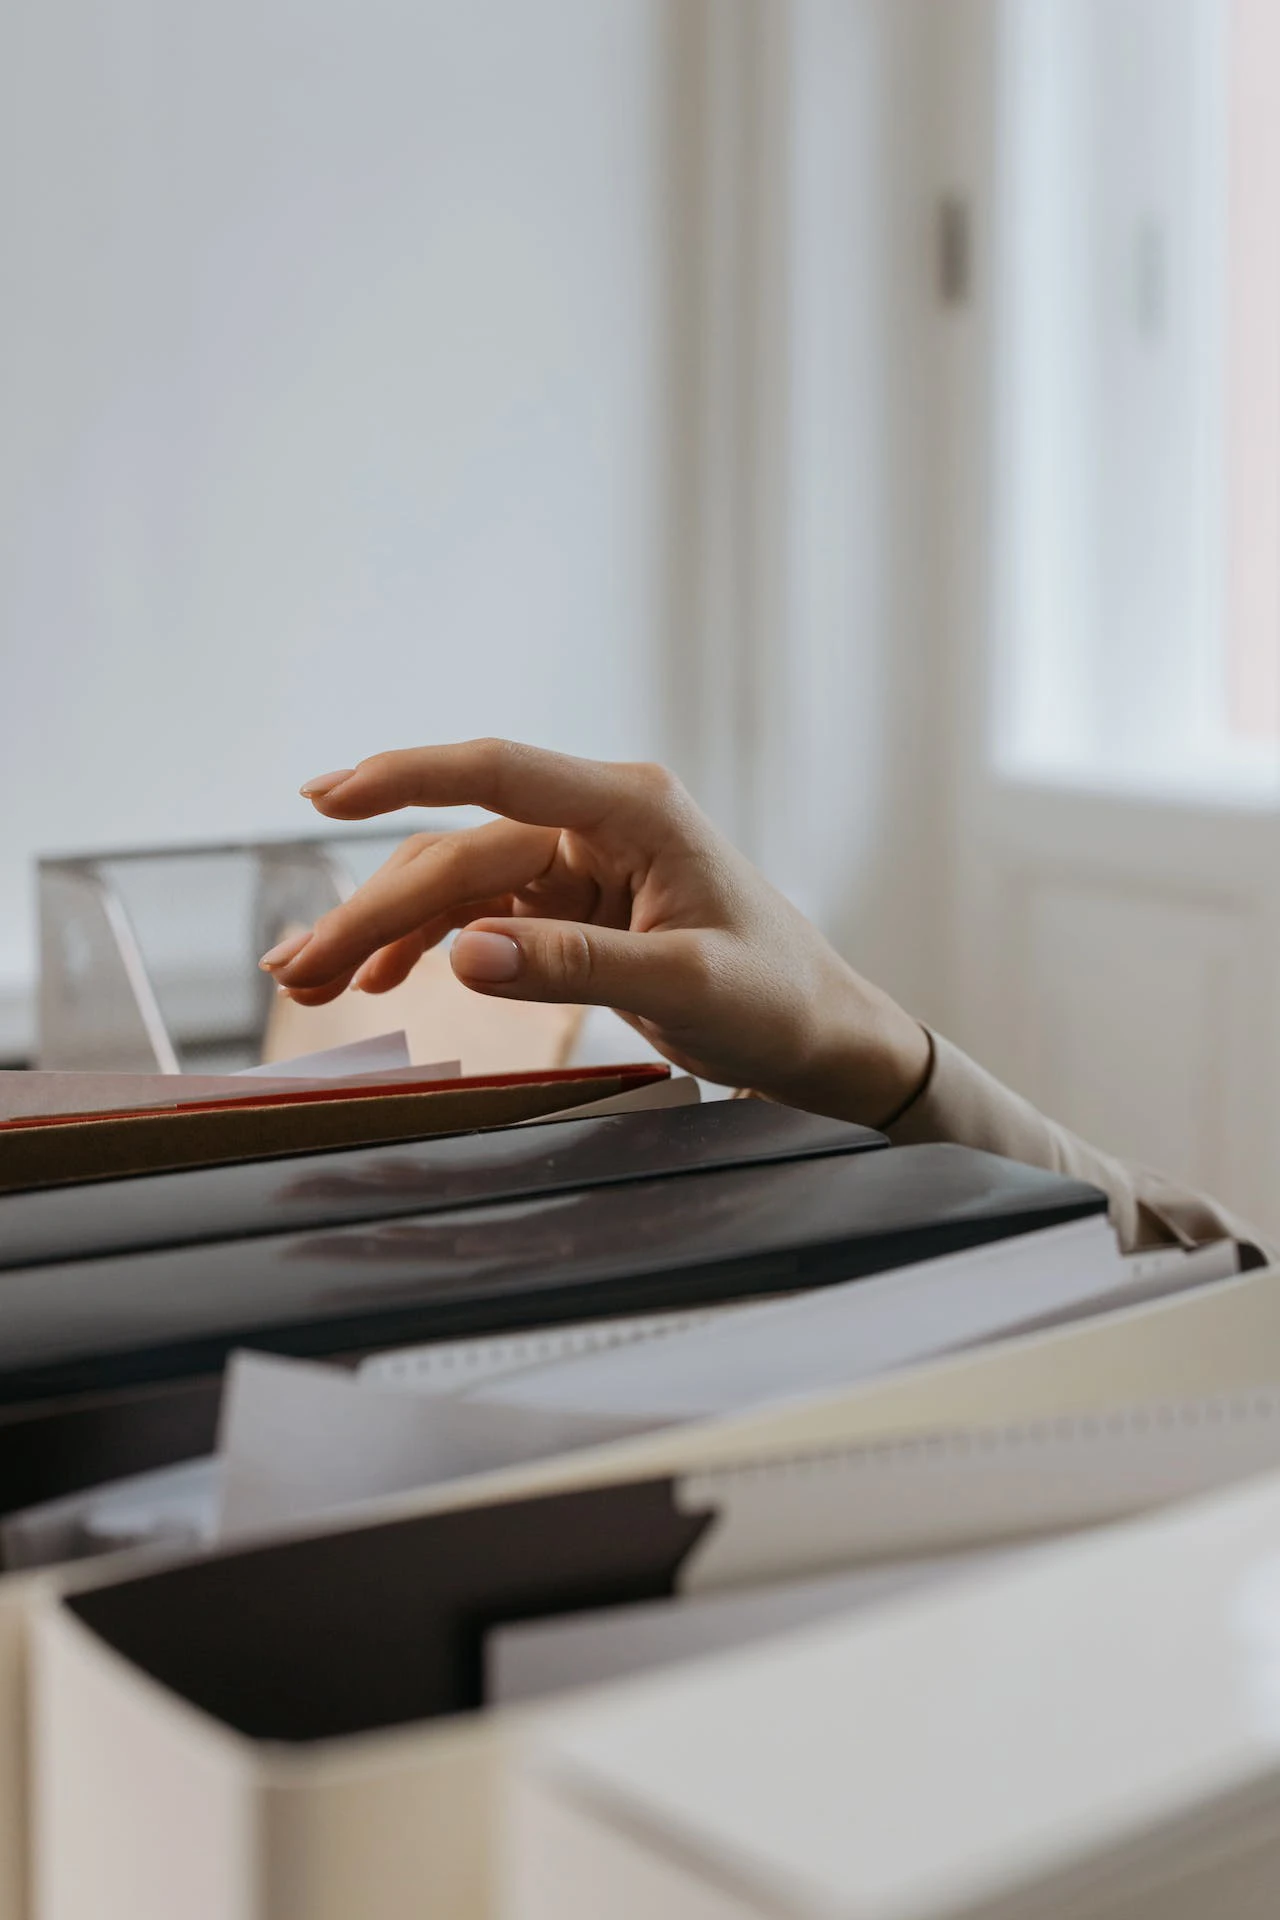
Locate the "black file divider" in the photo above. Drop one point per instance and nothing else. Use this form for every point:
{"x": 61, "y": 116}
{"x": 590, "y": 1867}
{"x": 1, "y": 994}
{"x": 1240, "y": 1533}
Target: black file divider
{"x": 346, "y": 1631}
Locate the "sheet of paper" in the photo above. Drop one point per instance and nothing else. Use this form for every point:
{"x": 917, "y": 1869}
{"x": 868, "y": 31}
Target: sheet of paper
{"x": 350, "y": 1077}
{"x": 532, "y": 1659}
{"x": 175, "y": 1505}
{"x": 172, "y": 1506}
{"x": 681, "y": 1090}
{"x": 448, "y": 1366}
{"x": 298, "y": 1438}
{"x": 833, "y": 1336}
{"x": 604, "y": 1039}
{"x": 377, "y": 1055}
{"x": 934, "y": 1491}
{"x": 1162, "y": 1270}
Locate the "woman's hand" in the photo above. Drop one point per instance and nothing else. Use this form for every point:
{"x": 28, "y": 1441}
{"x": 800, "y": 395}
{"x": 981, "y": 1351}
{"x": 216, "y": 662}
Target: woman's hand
{"x": 603, "y": 884}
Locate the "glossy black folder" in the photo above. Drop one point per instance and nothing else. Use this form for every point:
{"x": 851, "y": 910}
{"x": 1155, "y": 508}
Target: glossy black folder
{"x": 417, "y": 1177}
{"x": 88, "y": 1326}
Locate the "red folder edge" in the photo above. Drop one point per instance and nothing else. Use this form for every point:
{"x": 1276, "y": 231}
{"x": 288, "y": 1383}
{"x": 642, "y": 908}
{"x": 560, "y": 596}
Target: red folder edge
{"x": 638, "y": 1074}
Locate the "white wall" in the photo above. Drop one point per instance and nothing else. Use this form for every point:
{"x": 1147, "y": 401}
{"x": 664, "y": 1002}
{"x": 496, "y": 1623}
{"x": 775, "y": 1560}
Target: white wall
{"x": 332, "y": 396}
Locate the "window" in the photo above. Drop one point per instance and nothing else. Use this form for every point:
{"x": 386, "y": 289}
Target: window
{"x": 1138, "y": 389}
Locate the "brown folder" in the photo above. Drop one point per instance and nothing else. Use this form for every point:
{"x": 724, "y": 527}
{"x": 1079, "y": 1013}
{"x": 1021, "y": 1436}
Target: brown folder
{"x": 49, "y": 1151}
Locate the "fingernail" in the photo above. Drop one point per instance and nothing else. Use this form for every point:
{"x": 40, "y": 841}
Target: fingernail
{"x": 324, "y": 783}
{"x": 359, "y": 977}
{"x": 491, "y": 957}
{"x": 287, "y": 950}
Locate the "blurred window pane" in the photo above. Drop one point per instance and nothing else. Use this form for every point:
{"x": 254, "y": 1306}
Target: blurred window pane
{"x": 1136, "y": 577}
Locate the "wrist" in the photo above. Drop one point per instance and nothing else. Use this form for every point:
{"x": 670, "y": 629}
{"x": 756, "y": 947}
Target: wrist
{"x": 916, "y": 1086}
{"x": 875, "y": 1064}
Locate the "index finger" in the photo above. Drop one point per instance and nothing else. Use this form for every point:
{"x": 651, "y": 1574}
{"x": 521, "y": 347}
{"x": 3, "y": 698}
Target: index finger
{"x": 440, "y": 878}
{"x": 528, "y": 784}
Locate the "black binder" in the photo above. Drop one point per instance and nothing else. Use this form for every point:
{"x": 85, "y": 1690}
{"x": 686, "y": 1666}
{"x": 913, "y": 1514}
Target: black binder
{"x": 80, "y": 1327}
{"x": 434, "y": 1175}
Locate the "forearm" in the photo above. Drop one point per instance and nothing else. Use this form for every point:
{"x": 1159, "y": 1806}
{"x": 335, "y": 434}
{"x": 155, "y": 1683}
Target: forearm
{"x": 597, "y": 883}
{"x": 961, "y": 1102}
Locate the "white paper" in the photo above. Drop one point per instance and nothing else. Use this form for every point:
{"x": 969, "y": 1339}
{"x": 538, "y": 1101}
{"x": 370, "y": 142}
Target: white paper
{"x": 298, "y": 1438}
{"x": 681, "y": 1090}
{"x": 832, "y": 1336}
{"x": 532, "y": 1659}
{"x": 946, "y": 1492}
{"x": 352, "y": 1081}
{"x": 449, "y": 1366}
{"x": 377, "y": 1055}
{"x": 605, "y": 1039}
{"x": 1163, "y": 1270}
{"x": 174, "y": 1506}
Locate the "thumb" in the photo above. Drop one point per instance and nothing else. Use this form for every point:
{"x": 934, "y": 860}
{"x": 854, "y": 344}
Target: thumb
{"x": 655, "y": 975}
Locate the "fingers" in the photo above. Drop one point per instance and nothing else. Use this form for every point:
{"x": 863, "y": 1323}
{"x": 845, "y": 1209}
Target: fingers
{"x": 392, "y": 964}
{"x": 438, "y": 881}
{"x": 520, "y": 783}
{"x": 320, "y": 996}
{"x": 663, "y": 977}
{"x": 389, "y": 967}
{"x": 275, "y": 960}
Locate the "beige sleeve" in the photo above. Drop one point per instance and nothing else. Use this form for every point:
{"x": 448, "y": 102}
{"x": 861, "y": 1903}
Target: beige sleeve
{"x": 963, "y": 1103}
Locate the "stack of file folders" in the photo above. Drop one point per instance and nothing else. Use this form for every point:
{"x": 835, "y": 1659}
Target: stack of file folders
{"x": 123, "y": 1298}
{"x": 328, "y": 1474}
{"x": 329, "y": 1720}
{"x": 1089, "y": 1733}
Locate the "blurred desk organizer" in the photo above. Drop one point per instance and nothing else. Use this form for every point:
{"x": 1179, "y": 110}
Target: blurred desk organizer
{"x": 148, "y": 955}
{"x": 148, "y": 964}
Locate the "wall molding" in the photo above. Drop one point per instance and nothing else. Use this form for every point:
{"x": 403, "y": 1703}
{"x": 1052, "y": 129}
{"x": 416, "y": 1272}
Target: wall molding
{"x": 726, "y": 92}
